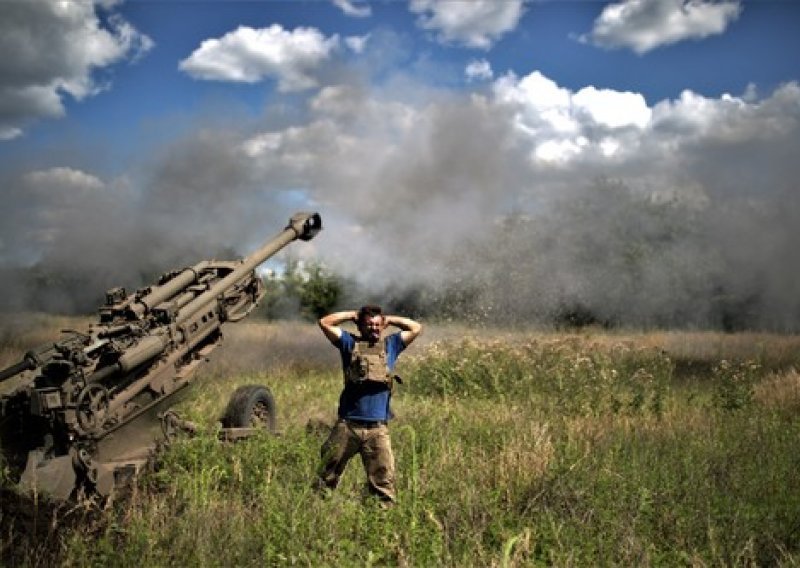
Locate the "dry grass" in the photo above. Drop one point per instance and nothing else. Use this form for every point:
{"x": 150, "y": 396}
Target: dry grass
{"x": 259, "y": 346}
{"x": 780, "y": 391}
{"x": 20, "y": 332}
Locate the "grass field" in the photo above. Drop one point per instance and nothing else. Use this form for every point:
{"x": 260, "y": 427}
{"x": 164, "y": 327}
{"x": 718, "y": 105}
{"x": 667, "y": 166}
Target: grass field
{"x": 514, "y": 448}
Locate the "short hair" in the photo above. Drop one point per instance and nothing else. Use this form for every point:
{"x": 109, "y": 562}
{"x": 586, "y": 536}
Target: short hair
{"x": 369, "y": 311}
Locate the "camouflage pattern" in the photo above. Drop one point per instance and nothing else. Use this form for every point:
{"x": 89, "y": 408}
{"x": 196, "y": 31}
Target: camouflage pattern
{"x": 372, "y": 441}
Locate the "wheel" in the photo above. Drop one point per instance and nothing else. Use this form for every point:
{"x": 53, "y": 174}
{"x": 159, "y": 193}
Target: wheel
{"x": 91, "y": 407}
{"x": 251, "y": 406}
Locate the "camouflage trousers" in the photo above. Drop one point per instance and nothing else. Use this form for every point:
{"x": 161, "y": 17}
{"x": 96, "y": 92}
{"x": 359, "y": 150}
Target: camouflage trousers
{"x": 372, "y": 442}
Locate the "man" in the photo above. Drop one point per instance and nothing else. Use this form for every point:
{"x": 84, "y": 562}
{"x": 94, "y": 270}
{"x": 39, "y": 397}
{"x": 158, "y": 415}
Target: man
{"x": 368, "y": 361}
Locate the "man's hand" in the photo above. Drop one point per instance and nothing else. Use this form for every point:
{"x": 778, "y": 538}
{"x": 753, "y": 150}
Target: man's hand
{"x": 330, "y": 324}
{"x": 409, "y": 329}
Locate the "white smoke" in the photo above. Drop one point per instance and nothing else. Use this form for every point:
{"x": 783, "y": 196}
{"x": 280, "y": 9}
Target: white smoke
{"x": 522, "y": 198}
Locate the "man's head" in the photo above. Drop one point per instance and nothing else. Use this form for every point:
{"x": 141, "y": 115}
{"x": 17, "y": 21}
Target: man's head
{"x": 370, "y": 322}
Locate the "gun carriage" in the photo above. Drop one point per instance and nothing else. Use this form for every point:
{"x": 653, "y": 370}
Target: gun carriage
{"x": 61, "y": 428}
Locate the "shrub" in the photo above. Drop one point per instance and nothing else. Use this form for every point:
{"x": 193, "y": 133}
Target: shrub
{"x": 734, "y": 384}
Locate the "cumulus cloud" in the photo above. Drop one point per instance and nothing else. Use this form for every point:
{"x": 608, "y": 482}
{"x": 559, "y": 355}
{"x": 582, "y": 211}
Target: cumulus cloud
{"x": 477, "y": 23}
{"x": 356, "y": 9}
{"x": 563, "y": 125}
{"x": 53, "y": 49}
{"x": 643, "y": 25}
{"x": 251, "y": 55}
{"x": 612, "y": 109}
{"x": 356, "y": 43}
{"x": 478, "y": 70}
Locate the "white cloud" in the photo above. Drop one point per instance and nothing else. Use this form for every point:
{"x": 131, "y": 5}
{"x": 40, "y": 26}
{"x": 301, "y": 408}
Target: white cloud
{"x": 63, "y": 180}
{"x": 477, "y": 23}
{"x": 643, "y": 25}
{"x": 730, "y": 143}
{"x": 613, "y": 109}
{"x": 728, "y": 120}
{"x": 558, "y": 151}
{"x": 609, "y": 147}
{"x": 250, "y": 55}
{"x": 8, "y": 133}
{"x": 356, "y": 43}
{"x": 478, "y": 69}
{"x": 356, "y": 9}
{"x": 544, "y": 107}
{"x": 53, "y": 48}
{"x": 563, "y": 125}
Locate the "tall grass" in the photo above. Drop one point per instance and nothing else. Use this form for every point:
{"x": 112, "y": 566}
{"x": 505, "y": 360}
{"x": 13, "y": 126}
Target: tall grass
{"x": 530, "y": 449}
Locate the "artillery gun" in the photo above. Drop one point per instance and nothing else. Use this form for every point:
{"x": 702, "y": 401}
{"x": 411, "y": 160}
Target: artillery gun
{"x": 61, "y": 428}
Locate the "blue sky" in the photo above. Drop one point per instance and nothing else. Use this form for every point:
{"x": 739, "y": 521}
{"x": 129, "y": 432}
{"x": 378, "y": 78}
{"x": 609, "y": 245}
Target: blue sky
{"x": 757, "y": 47}
{"x": 177, "y": 127}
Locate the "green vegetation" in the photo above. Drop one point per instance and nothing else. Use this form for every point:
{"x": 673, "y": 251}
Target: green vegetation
{"x": 514, "y": 451}
{"x": 308, "y": 289}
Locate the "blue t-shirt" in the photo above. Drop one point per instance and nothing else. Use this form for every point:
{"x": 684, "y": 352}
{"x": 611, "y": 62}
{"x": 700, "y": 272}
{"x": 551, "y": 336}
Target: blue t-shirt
{"x": 368, "y": 401}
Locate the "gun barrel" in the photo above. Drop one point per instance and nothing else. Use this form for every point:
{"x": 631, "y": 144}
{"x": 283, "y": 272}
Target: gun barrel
{"x": 25, "y": 365}
{"x": 303, "y": 226}
{"x": 187, "y": 277}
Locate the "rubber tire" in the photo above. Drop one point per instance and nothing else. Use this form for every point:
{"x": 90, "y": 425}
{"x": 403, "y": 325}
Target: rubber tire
{"x": 242, "y": 405}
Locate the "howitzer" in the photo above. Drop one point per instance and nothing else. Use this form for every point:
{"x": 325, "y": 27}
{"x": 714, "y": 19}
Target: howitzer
{"x": 60, "y": 427}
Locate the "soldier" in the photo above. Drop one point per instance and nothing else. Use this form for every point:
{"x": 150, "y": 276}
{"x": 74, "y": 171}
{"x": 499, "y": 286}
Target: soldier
{"x": 368, "y": 361}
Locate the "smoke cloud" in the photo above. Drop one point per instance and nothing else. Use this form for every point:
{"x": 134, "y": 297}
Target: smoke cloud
{"x": 519, "y": 201}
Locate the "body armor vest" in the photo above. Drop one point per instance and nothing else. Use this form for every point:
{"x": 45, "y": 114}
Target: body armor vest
{"x": 368, "y": 363}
